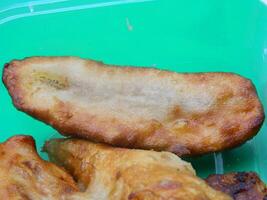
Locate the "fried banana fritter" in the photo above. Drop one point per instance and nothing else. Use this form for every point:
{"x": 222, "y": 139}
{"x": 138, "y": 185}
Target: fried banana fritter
{"x": 108, "y": 173}
{"x": 24, "y": 175}
{"x": 240, "y": 186}
{"x": 145, "y": 108}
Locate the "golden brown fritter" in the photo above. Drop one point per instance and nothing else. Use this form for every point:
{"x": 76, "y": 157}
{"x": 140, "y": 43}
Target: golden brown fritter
{"x": 109, "y": 173}
{"x": 240, "y": 186}
{"x": 144, "y": 108}
{"x": 24, "y": 175}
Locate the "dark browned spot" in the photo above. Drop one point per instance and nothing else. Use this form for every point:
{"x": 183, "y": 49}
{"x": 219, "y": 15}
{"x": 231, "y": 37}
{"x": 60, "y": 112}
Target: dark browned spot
{"x": 197, "y": 78}
{"x": 244, "y": 105}
{"x": 131, "y": 196}
{"x": 179, "y": 149}
{"x": 18, "y": 191}
{"x": 6, "y": 65}
{"x": 204, "y": 118}
{"x": 257, "y": 122}
{"x": 144, "y": 194}
{"x": 24, "y": 140}
{"x": 28, "y": 164}
{"x": 118, "y": 175}
{"x": 240, "y": 186}
{"x": 62, "y": 178}
{"x": 224, "y": 96}
{"x": 62, "y": 110}
{"x": 32, "y": 166}
{"x": 175, "y": 113}
{"x": 230, "y": 128}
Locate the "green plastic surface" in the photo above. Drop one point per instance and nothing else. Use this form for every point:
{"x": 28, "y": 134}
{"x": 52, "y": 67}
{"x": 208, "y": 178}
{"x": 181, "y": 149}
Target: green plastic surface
{"x": 178, "y": 35}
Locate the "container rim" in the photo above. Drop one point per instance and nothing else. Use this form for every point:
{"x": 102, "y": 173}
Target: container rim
{"x": 40, "y": 7}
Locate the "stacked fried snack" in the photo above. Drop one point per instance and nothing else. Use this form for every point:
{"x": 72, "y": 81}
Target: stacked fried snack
{"x": 144, "y": 108}
{"x": 99, "y": 172}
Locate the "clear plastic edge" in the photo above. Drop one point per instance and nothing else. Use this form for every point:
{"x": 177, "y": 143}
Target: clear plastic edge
{"x": 34, "y": 8}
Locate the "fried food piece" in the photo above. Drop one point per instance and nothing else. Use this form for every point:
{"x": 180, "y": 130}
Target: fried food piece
{"x": 144, "y": 108}
{"x": 24, "y": 175}
{"x": 240, "y": 186}
{"x": 104, "y": 172}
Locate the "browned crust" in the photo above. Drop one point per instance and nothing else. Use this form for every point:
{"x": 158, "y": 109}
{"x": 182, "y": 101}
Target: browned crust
{"x": 24, "y": 175}
{"x": 240, "y": 185}
{"x": 129, "y": 174}
{"x": 154, "y": 136}
{"x": 10, "y": 80}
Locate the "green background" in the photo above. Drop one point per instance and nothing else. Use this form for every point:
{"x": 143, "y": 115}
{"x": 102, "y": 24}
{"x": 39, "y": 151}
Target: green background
{"x": 179, "y": 35}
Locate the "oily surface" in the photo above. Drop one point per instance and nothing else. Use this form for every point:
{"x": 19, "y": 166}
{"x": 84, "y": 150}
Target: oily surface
{"x": 145, "y": 108}
{"x": 103, "y": 172}
{"x": 24, "y": 175}
{"x": 240, "y": 185}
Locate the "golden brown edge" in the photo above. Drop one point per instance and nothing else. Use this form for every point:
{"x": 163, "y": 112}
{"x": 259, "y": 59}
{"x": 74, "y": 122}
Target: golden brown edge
{"x": 28, "y": 140}
{"x": 11, "y": 80}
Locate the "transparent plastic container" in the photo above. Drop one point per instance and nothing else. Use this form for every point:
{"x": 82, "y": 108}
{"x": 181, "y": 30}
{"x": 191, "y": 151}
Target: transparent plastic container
{"x": 183, "y": 36}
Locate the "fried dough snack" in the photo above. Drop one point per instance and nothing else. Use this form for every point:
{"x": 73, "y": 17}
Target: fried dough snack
{"x": 24, "y": 175}
{"x": 145, "y": 108}
{"x": 240, "y": 185}
{"x": 107, "y": 173}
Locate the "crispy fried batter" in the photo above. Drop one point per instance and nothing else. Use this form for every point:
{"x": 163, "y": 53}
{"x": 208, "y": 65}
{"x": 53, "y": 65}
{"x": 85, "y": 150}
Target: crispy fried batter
{"x": 24, "y": 175}
{"x": 131, "y": 107}
{"x": 109, "y": 173}
{"x": 241, "y": 186}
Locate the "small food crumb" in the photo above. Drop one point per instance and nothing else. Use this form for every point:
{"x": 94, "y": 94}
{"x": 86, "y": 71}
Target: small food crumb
{"x": 128, "y": 24}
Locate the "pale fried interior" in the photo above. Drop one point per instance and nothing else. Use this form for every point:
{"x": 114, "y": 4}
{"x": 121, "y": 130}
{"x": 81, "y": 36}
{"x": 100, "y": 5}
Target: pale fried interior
{"x": 107, "y": 173}
{"x": 136, "y": 107}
